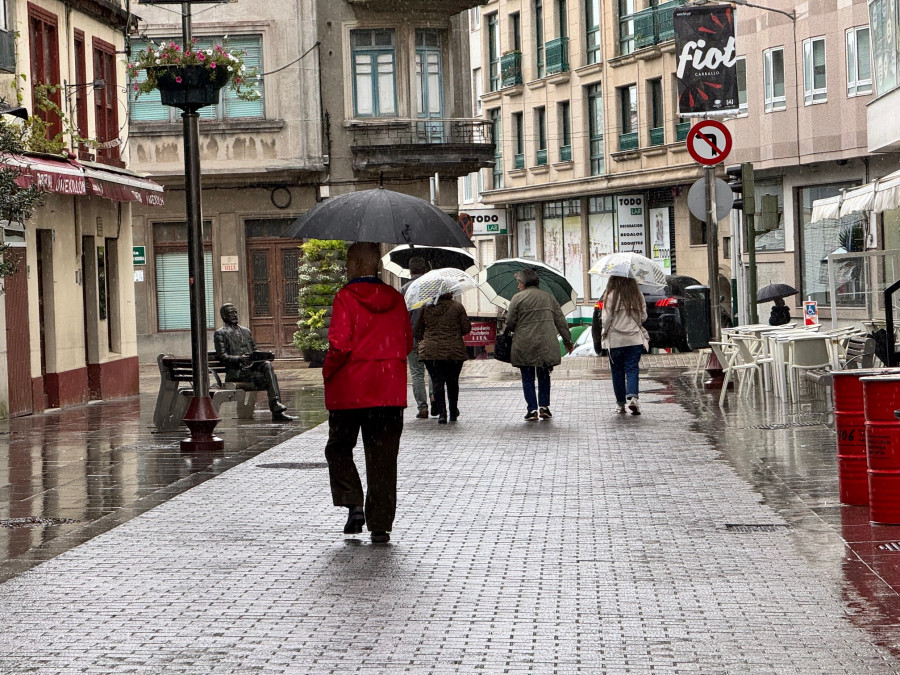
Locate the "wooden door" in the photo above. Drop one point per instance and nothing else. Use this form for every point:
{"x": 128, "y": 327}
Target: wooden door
{"x": 18, "y": 338}
{"x": 274, "y": 310}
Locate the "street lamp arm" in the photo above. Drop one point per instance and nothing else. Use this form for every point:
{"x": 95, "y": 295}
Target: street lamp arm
{"x": 792, "y": 15}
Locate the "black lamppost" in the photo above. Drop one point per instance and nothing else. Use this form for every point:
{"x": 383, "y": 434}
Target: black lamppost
{"x": 201, "y": 417}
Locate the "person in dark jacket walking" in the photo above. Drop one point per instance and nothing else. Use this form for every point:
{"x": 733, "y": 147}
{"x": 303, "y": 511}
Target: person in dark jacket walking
{"x": 534, "y": 318}
{"x": 365, "y": 389}
{"x": 781, "y": 313}
{"x": 440, "y": 331}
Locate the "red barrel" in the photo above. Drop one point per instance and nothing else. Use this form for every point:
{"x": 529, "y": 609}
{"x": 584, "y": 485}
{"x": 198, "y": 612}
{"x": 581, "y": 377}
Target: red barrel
{"x": 881, "y": 397}
{"x": 850, "y": 428}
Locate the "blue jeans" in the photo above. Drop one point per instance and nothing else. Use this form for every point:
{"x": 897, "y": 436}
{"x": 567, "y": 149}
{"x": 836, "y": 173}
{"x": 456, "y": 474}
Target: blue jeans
{"x": 543, "y": 380}
{"x": 624, "y": 362}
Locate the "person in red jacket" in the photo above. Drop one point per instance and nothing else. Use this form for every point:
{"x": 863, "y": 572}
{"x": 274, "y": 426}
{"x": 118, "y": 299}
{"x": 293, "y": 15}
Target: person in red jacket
{"x": 365, "y": 388}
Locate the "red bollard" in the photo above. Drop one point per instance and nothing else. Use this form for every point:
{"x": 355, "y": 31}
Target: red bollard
{"x": 881, "y": 396}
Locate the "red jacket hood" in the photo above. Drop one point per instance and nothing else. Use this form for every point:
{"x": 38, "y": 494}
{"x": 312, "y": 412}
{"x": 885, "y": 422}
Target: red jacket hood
{"x": 375, "y": 296}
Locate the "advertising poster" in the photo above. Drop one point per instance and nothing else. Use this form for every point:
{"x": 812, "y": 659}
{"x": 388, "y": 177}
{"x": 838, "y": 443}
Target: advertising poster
{"x": 601, "y": 227}
{"x": 527, "y": 238}
{"x": 706, "y": 62}
{"x": 573, "y": 251}
{"x": 659, "y": 239}
{"x": 630, "y": 216}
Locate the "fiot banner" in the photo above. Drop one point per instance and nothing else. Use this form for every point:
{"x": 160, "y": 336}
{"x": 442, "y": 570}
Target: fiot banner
{"x": 707, "y": 62}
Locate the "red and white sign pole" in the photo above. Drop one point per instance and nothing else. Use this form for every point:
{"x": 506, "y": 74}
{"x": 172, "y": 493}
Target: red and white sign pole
{"x": 709, "y": 143}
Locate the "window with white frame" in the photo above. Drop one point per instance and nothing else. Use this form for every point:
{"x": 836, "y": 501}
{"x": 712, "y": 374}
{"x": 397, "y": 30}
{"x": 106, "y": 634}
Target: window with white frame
{"x": 493, "y": 40}
{"x": 469, "y": 188}
{"x": 773, "y": 79}
{"x": 741, "y": 72}
{"x": 374, "y": 73}
{"x": 148, "y": 108}
{"x": 814, "y": 85}
{"x": 478, "y": 90}
{"x": 859, "y": 64}
{"x": 884, "y": 17}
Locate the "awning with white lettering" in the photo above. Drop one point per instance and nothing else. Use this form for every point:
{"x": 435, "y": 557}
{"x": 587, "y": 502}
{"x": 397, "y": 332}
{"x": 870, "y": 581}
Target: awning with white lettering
{"x": 123, "y": 187}
{"x": 51, "y": 175}
{"x": 68, "y": 177}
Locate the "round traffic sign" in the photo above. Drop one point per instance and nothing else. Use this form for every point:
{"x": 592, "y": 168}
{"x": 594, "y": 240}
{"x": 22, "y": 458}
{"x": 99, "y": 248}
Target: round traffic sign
{"x": 709, "y": 142}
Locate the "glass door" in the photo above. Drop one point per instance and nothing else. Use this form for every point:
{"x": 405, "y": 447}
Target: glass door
{"x": 430, "y": 100}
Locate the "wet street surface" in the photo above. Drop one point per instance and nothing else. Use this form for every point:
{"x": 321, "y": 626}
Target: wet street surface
{"x": 691, "y": 539}
{"x": 68, "y": 475}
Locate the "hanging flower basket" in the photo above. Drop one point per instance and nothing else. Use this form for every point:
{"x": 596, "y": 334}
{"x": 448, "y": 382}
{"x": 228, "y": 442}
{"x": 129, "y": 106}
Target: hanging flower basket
{"x": 191, "y": 78}
{"x": 189, "y": 87}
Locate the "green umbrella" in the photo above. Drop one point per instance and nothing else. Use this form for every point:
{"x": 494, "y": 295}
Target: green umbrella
{"x": 498, "y": 282}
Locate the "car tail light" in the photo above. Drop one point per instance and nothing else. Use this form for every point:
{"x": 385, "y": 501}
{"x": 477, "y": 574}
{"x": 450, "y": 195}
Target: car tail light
{"x": 599, "y": 305}
{"x": 667, "y": 302}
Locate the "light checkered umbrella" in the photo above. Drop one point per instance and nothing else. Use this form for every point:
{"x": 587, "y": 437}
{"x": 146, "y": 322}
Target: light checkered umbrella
{"x": 633, "y": 265}
{"x": 432, "y": 285}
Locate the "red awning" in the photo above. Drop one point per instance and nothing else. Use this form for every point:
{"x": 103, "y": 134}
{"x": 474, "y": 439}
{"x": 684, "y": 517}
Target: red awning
{"x": 122, "y": 187}
{"x": 52, "y": 175}
{"x": 65, "y": 177}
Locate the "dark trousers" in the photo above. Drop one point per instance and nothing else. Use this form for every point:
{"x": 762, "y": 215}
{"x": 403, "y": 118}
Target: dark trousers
{"x": 261, "y": 375}
{"x": 624, "y": 363}
{"x": 381, "y": 430}
{"x": 543, "y": 380}
{"x": 444, "y": 373}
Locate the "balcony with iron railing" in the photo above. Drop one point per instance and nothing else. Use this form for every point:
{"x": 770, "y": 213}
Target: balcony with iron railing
{"x": 655, "y": 25}
{"x": 542, "y": 157}
{"x": 405, "y": 147}
{"x": 657, "y": 136}
{"x": 681, "y": 131}
{"x": 510, "y": 69}
{"x": 557, "y": 56}
{"x": 565, "y": 153}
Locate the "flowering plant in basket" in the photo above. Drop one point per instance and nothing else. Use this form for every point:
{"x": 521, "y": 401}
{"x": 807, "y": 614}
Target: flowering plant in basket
{"x": 170, "y": 58}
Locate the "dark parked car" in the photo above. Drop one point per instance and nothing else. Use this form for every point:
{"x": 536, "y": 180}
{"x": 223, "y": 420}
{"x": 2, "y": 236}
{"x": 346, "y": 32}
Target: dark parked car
{"x": 667, "y": 312}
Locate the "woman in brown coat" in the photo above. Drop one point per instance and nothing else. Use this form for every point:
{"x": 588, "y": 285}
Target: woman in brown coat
{"x": 440, "y": 331}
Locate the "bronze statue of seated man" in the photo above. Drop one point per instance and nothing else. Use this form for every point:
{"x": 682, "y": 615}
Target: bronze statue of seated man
{"x": 237, "y": 351}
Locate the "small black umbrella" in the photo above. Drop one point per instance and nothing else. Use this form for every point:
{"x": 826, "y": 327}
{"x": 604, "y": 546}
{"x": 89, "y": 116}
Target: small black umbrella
{"x": 772, "y": 291}
{"x": 382, "y": 216}
{"x": 437, "y": 257}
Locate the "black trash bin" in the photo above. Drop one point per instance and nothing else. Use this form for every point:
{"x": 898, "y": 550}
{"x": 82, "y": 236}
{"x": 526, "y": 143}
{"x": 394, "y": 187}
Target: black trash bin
{"x": 696, "y": 315}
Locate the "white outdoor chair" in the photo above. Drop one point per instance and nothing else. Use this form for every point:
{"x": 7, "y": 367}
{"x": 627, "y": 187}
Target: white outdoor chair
{"x": 806, "y": 355}
{"x": 735, "y": 368}
{"x": 751, "y": 351}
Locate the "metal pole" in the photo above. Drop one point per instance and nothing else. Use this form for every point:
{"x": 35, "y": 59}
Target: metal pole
{"x": 751, "y": 266}
{"x": 191, "y": 121}
{"x": 712, "y": 249}
{"x": 201, "y": 416}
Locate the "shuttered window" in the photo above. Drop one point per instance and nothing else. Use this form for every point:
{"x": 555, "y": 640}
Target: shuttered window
{"x": 173, "y": 300}
{"x": 149, "y": 108}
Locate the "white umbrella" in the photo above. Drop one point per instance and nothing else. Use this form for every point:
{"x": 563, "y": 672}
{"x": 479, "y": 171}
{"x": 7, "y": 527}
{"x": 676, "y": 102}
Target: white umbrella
{"x": 632, "y": 265}
{"x": 432, "y": 285}
{"x": 397, "y": 259}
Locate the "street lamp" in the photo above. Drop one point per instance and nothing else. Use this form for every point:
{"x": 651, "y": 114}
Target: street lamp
{"x": 201, "y": 416}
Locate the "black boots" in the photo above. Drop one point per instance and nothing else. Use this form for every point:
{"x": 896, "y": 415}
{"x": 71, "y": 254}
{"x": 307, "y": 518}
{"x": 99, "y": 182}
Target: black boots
{"x": 355, "y": 520}
{"x": 278, "y": 414}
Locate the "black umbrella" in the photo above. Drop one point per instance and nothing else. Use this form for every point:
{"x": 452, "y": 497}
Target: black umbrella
{"x": 382, "y": 216}
{"x": 437, "y": 257}
{"x": 773, "y": 291}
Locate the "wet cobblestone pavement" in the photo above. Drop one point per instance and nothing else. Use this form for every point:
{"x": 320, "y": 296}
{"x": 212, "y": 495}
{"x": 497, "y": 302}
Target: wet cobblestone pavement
{"x": 686, "y": 540}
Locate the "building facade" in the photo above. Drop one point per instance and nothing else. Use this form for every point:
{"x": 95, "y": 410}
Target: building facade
{"x": 354, "y": 94}
{"x": 69, "y": 309}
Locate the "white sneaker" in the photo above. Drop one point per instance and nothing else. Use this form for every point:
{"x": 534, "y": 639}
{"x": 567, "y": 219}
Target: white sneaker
{"x": 634, "y": 405}
{"x": 620, "y": 408}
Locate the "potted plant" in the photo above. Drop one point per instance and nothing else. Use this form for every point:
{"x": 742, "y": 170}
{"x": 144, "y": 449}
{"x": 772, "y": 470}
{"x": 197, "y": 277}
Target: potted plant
{"x": 190, "y": 78}
{"x": 322, "y": 273}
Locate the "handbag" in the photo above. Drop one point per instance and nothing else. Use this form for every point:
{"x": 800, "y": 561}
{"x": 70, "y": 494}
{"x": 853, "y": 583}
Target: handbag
{"x": 503, "y": 347}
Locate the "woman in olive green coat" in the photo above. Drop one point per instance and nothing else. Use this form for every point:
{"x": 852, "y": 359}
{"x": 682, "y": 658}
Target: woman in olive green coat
{"x": 535, "y": 318}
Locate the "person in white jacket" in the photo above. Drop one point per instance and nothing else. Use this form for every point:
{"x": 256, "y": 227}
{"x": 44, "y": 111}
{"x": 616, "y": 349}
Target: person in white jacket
{"x": 624, "y": 312}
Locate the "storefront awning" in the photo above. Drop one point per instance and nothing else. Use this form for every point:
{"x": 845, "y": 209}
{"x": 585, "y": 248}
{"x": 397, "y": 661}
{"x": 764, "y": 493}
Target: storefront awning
{"x": 68, "y": 177}
{"x": 51, "y": 175}
{"x": 122, "y": 187}
{"x": 880, "y": 195}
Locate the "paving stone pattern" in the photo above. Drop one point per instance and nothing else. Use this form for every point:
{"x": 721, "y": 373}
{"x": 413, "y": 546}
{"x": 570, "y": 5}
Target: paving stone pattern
{"x": 592, "y": 543}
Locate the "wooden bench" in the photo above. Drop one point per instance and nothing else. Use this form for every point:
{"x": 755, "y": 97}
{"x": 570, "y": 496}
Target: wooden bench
{"x": 176, "y": 387}
{"x": 860, "y": 354}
